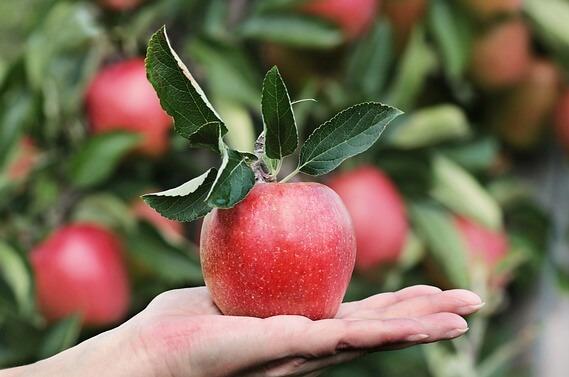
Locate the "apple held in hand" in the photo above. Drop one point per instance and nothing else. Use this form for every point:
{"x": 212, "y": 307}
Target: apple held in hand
{"x": 266, "y": 248}
{"x": 354, "y": 17}
{"x": 378, "y": 215}
{"x": 79, "y": 269}
{"x": 287, "y": 248}
{"x": 121, "y": 98}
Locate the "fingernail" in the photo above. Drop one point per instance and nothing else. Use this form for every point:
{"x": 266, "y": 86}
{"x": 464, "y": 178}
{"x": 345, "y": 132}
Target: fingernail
{"x": 455, "y": 333}
{"x": 471, "y": 308}
{"x": 416, "y": 337}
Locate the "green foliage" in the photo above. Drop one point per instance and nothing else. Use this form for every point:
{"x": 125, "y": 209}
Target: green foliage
{"x": 281, "y": 138}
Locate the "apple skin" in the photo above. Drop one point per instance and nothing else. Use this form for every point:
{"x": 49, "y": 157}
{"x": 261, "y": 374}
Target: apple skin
{"x": 378, "y": 214}
{"x": 287, "y": 248}
{"x": 501, "y": 56}
{"x": 119, "y": 5}
{"x": 24, "y": 161}
{"x": 522, "y": 114}
{"x": 121, "y": 98}
{"x": 79, "y": 269}
{"x": 486, "y": 245}
{"x": 562, "y": 119}
{"x": 404, "y": 15}
{"x": 354, "y": 17}
{"x": 487, "y": 9}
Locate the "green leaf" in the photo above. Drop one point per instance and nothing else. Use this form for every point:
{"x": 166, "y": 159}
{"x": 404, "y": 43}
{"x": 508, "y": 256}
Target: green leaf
{"x": 293, "y": 30}
{"x": 281, "y": 138}
{"x": 348, "y": 133}
{"x": 17, "y": 275}
{"x": 169, "y": 263}
{"x": 180, "y": 95}
{"x": 477, "y": 155}
{"x": 96, "y": 161}
{"x": 241, "y": 135}
{"x": 549, "y": 18}
{"x": 230, "y": 72}
{"x": 186, "y": 202}
{"x": 460, "y": 192}
{"x": 61, "y": 336}
{"x": 436, "y": 228}
{"x": 417, "y": 63}
{"x": 430, "y": 126}
{"x": 234, "y": 180}
{"x": 453, "y": 33}
{"x": 369, "y": 64}
{"x": 106, "y": 209}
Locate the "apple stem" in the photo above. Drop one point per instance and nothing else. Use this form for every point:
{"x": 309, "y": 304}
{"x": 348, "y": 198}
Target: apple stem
{"x": 260, "y": 168}
{"x": 288, "y": 177}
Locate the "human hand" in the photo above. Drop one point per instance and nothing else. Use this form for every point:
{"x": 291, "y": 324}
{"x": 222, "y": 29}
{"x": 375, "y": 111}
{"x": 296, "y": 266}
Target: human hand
{"x": 182, "y": 334}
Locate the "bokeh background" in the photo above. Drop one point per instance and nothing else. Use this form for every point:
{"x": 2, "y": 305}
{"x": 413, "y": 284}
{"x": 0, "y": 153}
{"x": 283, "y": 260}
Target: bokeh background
{"x": 478, "y": 161}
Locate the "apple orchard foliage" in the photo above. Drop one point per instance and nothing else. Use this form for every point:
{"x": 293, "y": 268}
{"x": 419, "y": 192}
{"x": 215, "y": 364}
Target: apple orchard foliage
{"x": 83, "y": 134}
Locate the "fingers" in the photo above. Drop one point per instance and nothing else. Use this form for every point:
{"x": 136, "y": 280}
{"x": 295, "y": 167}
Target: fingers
{"x": 385, "y": 299}
{"x": 454, "y": 301}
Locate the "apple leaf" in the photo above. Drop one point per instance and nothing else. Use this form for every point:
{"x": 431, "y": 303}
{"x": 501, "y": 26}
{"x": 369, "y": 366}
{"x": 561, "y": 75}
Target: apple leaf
{"x": 186, "y": 202}
{"x": 180, "y": 95}
{"x": 281, "y": 137}
{"x": 292, "y": 30}
{"x": 348, "y": 133}
{"x": 234, "y": 180}
{"x": 97, "y": 159}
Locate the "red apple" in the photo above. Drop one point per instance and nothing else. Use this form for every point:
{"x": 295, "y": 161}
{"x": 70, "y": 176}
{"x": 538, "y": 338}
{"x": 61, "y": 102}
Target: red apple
{"x": 501, "y": 56}
{"x": 354, "y": 17}
{"x": 121, "y": 98}
{"x": 378, "y": 214}
{"x": 487, "y": 9}
{"x": 520, "y": 116}
{"x": 79, "y": 269}
{"x": 24, "y": 160}
{"x": 170, "y": 229}
{"x": 119, "y": 5}
{"x": 287, "y": 248}
{"x": 485, "y": 246}
{"x": 404, "y": 15}
{"x": 562, "y": 119}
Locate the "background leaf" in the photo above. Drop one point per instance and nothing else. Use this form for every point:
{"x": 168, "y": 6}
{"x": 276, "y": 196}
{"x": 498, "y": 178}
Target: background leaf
{"x": 348, "y": 133}
{"x": 61, "y": 336}
{"x": 99, "y": 157}
{"x": 292, "y": 30}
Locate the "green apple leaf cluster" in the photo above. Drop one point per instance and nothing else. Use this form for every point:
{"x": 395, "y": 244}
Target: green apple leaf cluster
{"x": 350, "y": 132}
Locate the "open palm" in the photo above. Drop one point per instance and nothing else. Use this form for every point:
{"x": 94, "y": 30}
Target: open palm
{"x": 182, "y": 333}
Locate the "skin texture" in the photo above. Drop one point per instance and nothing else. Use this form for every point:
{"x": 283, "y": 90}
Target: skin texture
{"x": 79, "y": 269}
{"x": 562, "y": 119}
{"x": 182, "y": 334}
{"x": 354, "y": 17}
{"x": 524, "y": 111}
{"x": 171, "y": 230}
{"x": 378, "y": 214}
{"x": 288, "y": 248}
{"x": 403, "y": 15}
{"x": 501, "y": 56}
{"x": 24, "y": 161}
{"x": 487, "y": 9}
{"x": 119, "y": 5}
{"x": 121, "y": 98}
